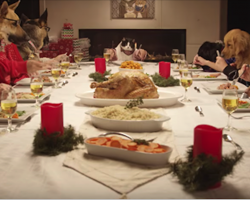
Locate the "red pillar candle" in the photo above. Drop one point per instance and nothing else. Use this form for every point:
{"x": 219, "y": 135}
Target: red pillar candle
{"x": 164, "y": 69}
{"x": 208, "y": 140}
{"x": 100, "y": 65}
{"x": 52, "y": 117}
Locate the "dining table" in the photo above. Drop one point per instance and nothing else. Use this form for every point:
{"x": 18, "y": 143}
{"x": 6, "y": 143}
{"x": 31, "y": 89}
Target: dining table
{"x": 25, "y": 175}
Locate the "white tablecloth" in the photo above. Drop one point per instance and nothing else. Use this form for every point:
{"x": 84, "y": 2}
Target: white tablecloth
{"x": 23, "y": 175}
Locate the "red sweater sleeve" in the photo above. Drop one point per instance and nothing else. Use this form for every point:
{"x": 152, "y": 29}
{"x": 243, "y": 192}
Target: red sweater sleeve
{"x": 11, "y": 70}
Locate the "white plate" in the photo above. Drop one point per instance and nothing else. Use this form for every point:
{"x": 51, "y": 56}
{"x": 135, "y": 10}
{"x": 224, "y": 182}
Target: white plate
{"x": 152, "y": 125}
{"x": 219, "y": 78}
{"x": 130, "y": 156}
{"x": 29, "y": 111}
{"x": 238, "y": 109}
{"x": 192, "y": 70}
{"x": 165, "y": 99}
{"x": 26, "y": 82}
{"x": 131, "y": 70}
{"x": 212, "y": 87}
{"x": 119, "y": 62}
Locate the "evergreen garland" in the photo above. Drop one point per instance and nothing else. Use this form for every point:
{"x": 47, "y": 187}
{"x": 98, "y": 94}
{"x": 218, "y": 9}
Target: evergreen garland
{"x": 201, "y": 173}
{"x": 54, "y": 144}
{"x": 165, "y": 82}
{"x": 98, "y": 77}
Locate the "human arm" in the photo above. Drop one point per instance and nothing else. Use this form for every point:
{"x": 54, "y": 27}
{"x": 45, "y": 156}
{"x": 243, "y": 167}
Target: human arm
{"x": 140, "y": 54}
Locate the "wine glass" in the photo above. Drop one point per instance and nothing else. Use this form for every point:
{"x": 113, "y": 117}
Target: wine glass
{"x": 56, "y": 73}
{"x": 175, "y": 55}
{"x": 106, "y": 55}
{"x": 8, "y": 107}
{"x": 78, "y": 56}
{"x": 65, "y": 66}
{"x": 230, "y": 102}
{"x": 36, "y": 87}
{"x": 186, "y": 82}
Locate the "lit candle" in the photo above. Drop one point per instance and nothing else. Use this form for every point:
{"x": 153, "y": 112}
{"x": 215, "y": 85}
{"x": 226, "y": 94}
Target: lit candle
{"x": 100, "y": 65}
{"x": 208, "y": 140}
{"x": 164, "y": 69}
{"x": 52, "y": 117}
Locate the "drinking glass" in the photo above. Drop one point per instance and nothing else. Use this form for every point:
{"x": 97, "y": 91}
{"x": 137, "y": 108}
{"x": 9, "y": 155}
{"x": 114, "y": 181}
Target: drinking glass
{"x": 8, "y": 107}
{"x": 56, "y": 73}
{"x": 65, "y": 66}
{"x": 186, "y": 82}
{"x": 78, "y": 56}
{"x": 36, "y": 87}
{"x": 106, "y": 55}
{"x": 230, "y": 102}
{"x": 175, "y": 55}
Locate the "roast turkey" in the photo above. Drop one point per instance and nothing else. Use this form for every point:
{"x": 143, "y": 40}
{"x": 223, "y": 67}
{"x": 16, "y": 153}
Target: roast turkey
{"x": 126, "y": 85}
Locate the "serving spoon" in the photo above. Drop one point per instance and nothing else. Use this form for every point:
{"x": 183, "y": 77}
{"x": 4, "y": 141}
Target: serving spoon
{"x": 228, "y": 138}
{"x": 199, "y": 109}
{"x": 197, "y": 88}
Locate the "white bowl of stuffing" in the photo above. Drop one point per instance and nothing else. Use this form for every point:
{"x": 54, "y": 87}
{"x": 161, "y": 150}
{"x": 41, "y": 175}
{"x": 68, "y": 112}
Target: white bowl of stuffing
{"x": 117, "y": 118}
{"x": 131, "y": 66}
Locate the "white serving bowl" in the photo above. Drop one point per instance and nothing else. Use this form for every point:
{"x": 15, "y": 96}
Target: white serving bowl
{"x": 131, "y": 70}
{"x": 130, "y": 156}
{"x": 152, "y": 125}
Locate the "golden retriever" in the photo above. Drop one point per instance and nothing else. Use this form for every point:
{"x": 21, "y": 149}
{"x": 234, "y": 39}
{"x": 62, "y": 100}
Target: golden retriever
{"x": 237, "y": 45}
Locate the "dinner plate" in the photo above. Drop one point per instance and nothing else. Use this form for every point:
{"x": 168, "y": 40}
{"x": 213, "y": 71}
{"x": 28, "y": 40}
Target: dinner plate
{"x": 192, "y": 70}
{"x": 152, "y": 125}
{"x": 130, "y": 156}
{"x": 238, "y": 110}
{"x": 119, "y": 62}
{"x": 166, "y": 99}
{"x": 28, "y": 112}
{"x": 26, "y": 82}
{"x": 212, "y": 87}
{"x": 131, "y": 70}
{"x": 219, "y": 78}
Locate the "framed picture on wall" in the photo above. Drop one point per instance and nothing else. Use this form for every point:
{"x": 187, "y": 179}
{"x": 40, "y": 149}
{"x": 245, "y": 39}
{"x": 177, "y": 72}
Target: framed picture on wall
{"x": 132, "y": 9}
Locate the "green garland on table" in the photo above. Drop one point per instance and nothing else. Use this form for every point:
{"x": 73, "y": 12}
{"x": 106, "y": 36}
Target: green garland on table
{"x": 54, "y": 144}
{"x": 98, "y": 77}
{"x": 165, "y": 82}
{"x": 201, "y": 173}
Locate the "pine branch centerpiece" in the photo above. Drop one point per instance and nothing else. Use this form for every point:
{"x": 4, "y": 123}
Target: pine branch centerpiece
{"x": 98, "y": 77}
{"x": 165, "y": 82}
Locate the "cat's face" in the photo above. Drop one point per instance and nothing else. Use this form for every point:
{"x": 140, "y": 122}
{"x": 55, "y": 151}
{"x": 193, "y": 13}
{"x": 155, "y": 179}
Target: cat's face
{"x": 128, "y": 44}
{"x": 140, "y": 3}
{"x": 130, "y": 9}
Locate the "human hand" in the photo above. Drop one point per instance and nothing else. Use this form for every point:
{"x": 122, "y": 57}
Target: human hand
{"x": 33, "y": 66}
{"x": 4, "y": 87}
{"x": 246, "y": 76}
{"x": 140, "y": 54}
{"x": 247, "y": 91}
{"x": 61, "y": 57}
{"x": 198, "y": 60}
{"x": 112, "y": 54}
{"x": 220, "y": 64}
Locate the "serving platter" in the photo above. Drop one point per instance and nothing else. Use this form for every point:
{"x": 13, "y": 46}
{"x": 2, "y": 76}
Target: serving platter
{"x": 238, "y": 110}
{"x": 130, "y": 156}
{"x": 26, "y": 82}
{"x": 202, "y": 77}
{"x": 28, "y": 112}
{"x": 212, "y": 87}
{"x": 166, "y": 99}
{"x": 152, "y": 125}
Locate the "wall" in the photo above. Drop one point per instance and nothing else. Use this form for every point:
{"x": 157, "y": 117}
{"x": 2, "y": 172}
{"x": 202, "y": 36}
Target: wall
{"x": 201, "y": 18}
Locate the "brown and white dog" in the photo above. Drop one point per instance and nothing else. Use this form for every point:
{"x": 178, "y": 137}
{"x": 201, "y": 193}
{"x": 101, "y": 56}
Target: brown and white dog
{"x": 10, "y": 29}
{"x": 237, "y": 45}
{"x": 37, "y": 31}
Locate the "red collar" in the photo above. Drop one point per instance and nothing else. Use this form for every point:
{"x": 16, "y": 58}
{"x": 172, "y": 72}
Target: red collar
{"x": 128, "y": 53}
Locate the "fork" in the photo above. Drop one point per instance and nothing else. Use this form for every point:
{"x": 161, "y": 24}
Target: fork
{"x": 240, "y": 117}
{"x": 22, "y": 123}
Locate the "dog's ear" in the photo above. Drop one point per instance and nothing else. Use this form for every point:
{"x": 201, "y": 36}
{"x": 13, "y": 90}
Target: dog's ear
{"x": 24, "y": 18}
{"x": 14, "y": 5}
{"x": 44, "y": 17}
{"x": 241, "y": 43}
{"x": 4, "y": 9}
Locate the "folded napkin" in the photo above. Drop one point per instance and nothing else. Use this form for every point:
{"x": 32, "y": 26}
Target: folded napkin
{"x": 120, "y": 176}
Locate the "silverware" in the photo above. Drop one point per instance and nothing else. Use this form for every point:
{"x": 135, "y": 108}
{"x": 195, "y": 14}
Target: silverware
{"x": 64, "y": 82}
{"x": 240, "y": 117}
{"x": 197, "y": 88}
{"x": 236, "y": 80}
{"x": 228, "y": 138}
{"x": 199, "y": 109}
{"x": 244, "y": 96}
{"x": 218, "y": 53}
{"x": 75, "y": 73}
{"x": 122, "y": 134}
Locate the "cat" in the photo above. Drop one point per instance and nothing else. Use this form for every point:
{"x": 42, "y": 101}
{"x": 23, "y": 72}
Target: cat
{"x": 122, "y": 7}
{"x": 141, "y": 8}
{"x": 125, "y": 49}
{"x": 130, "y": 11}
